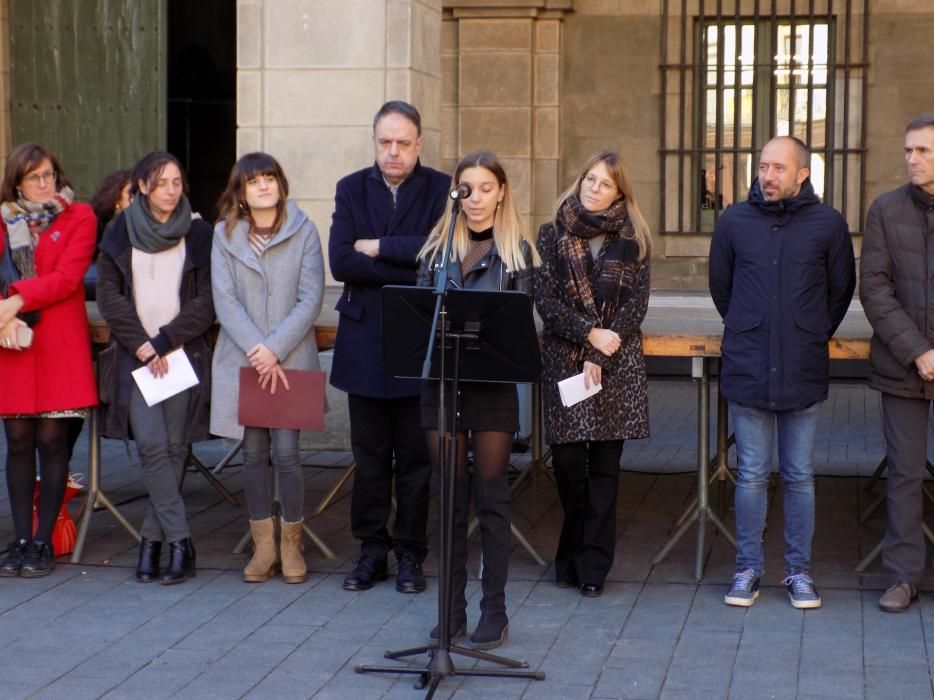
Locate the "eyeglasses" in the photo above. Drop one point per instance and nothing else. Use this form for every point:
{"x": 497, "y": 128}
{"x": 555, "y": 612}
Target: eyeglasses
{"x": 602, "y": 185}
{"x": 37, "y": 178}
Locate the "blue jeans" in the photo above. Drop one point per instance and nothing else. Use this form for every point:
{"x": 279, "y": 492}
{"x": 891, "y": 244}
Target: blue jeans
{"x": 755, "y": 432}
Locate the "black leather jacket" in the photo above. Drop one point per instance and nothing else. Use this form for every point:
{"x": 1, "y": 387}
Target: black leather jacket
{"x": 488, "y": 274}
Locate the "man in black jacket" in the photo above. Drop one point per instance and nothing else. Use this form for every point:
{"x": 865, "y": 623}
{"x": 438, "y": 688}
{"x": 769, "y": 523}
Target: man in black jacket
{"x": 382, "y": 216}
{"x": 781, "y": 276}
{"x": 898, "y": 297}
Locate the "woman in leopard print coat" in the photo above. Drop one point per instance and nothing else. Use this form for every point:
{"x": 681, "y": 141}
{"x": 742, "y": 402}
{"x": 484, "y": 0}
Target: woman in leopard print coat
{"x": 592, "y": 293}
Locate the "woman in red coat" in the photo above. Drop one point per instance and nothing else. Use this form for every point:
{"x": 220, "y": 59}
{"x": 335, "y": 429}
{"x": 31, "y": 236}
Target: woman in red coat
{"x": 45, "y": 250}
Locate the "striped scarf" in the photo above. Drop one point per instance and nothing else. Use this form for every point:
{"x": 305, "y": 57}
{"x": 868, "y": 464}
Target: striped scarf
{"x": 24, "y": 221}
{"x": 259, "y": 238}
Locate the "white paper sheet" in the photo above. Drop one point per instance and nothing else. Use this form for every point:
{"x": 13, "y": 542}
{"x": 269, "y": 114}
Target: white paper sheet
{"x": 181, "y": 376}
{"x": 572, "y": 390}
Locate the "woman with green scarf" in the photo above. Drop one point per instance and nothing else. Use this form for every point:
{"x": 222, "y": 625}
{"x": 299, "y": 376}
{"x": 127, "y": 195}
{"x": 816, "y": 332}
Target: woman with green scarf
{"x": 154, "y": 291}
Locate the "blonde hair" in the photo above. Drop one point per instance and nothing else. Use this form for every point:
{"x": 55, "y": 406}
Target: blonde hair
{"x": 508, "y": 231}
{"x": 621, "y": 177}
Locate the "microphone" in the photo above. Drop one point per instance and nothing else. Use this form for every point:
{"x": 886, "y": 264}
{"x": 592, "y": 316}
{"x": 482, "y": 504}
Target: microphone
{"x": 462, "y": 191}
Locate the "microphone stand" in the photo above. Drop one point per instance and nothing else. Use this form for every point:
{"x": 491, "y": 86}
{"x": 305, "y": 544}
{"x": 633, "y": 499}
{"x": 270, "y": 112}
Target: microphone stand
{"x": 441, "y": 664}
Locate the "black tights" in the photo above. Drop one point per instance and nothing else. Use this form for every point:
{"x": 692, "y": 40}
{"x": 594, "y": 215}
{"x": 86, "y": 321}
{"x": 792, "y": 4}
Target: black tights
{"x": 491, "y": 450}
{"x": 23, "y": 437}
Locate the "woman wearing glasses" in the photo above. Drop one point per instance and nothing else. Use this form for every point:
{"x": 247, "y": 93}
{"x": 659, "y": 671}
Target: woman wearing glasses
{"x": 592, "y": 292}
{"x": 45, "y": 249}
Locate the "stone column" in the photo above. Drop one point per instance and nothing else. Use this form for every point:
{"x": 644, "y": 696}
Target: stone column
{"x": 312, "y": 73}
{"x": 502, "y": 89}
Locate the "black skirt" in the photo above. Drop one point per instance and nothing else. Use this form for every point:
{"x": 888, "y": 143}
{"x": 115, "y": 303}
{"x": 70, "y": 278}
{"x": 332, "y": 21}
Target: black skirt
{"x": 481, "y": 406}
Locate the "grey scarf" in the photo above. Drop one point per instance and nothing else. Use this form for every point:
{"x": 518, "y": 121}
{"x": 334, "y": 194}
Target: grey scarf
{"x": 150, "y": 235}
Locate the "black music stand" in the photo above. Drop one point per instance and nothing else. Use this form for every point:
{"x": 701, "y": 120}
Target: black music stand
{"x": 484, "y": 336}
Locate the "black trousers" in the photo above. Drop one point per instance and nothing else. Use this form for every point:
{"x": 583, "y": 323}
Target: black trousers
{"x": 905, "y": 425}
{"x": 588, "y": 477}
{"x": 381, "y": 429}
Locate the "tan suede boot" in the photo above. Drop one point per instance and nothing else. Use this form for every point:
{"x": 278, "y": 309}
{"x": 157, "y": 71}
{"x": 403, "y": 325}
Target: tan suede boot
{"x": 262, "y": 566}
{"x": 294, "y": 569}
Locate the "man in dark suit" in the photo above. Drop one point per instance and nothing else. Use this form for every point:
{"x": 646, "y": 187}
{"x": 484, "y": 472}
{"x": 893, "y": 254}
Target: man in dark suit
{"x": 382, "y": 216}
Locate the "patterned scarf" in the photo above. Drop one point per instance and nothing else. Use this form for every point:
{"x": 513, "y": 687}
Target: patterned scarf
{"x": 600, "y": 286}
{"x": 24, "y": 221}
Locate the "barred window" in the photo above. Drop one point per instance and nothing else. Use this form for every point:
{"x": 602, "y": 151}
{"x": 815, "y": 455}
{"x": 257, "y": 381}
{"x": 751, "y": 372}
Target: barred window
{"x": 734, "y": 77}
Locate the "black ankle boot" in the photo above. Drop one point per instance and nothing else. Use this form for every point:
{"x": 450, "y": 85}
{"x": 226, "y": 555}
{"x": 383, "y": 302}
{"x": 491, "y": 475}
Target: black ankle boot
{"x": 492, "y": 499}
{"x": 39, "y": 560}
{"x": 15, "y": 555}
{"x": 181, "y": 562}
{"x": 147, "y": 568}
{"x": 458, "y": 620}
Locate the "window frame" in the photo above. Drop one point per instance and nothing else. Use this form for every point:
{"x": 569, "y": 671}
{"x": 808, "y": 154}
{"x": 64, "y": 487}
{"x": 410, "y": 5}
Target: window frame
{"x": 684, "y": 150}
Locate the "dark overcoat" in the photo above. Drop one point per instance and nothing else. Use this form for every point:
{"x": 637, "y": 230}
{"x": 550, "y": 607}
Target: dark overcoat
{"x": 190, "y": 328}
{"x": 620, "y": 411}
{"x": 363, "y": 208}
{"x": 896, "y": 290}
{"x": 782, "y": 276}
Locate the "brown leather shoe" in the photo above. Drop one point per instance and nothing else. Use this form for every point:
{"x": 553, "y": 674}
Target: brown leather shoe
{"x": 898, "y": 597}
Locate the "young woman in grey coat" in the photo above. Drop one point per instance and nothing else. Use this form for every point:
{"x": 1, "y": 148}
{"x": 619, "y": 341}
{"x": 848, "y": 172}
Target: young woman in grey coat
{"x": 268, "y": 282}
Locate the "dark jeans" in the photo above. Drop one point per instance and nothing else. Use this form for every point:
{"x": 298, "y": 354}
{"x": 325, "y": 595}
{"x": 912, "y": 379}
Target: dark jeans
{"x": 159, "y": 432}
{"x": 905, "y": 425}
{"x": 257, "y": 473}
{"x": 588, "y": 478}
{"x": 379, "y": 430}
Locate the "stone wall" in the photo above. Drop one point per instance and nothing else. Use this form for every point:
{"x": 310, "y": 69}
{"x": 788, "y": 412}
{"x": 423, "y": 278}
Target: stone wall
{"x": 312, "y": 73}
{"x": 900, "y": 86}
{"x": 501, "y": 78}
{"x": 610, "y": 98}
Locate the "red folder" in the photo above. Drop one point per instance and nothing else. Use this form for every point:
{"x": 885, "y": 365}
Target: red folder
{"x": 299, "y": 408}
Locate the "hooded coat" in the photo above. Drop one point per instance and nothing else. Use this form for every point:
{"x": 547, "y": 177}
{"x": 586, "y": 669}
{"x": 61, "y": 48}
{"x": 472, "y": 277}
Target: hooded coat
{"x": 272, "y": 299}
{"x": 782, "y": 276}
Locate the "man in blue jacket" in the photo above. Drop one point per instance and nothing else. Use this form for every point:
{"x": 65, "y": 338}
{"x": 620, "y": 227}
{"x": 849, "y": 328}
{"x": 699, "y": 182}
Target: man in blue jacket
{"x": 382, "y": 216}
{"x": 782, "y": 276}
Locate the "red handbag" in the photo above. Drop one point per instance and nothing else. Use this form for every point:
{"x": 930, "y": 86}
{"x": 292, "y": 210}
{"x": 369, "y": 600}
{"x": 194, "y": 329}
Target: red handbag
{"x": 64, "y": 533}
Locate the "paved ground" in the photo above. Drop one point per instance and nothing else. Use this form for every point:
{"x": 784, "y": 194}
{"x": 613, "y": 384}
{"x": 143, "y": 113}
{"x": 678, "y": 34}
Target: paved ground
{"x": 91, "y": 631}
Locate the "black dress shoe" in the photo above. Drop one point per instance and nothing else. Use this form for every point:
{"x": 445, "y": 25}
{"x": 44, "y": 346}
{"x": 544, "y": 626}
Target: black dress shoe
{"x": 39, "y": 560}
{"x": 410, "y": 579}
{"x": 368, "y": 571}
{"x": 147, "y": 568}
{"x": 181, "y": 562}
{"x": 591, "y": 590}
{"x": 15, "y": 555}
